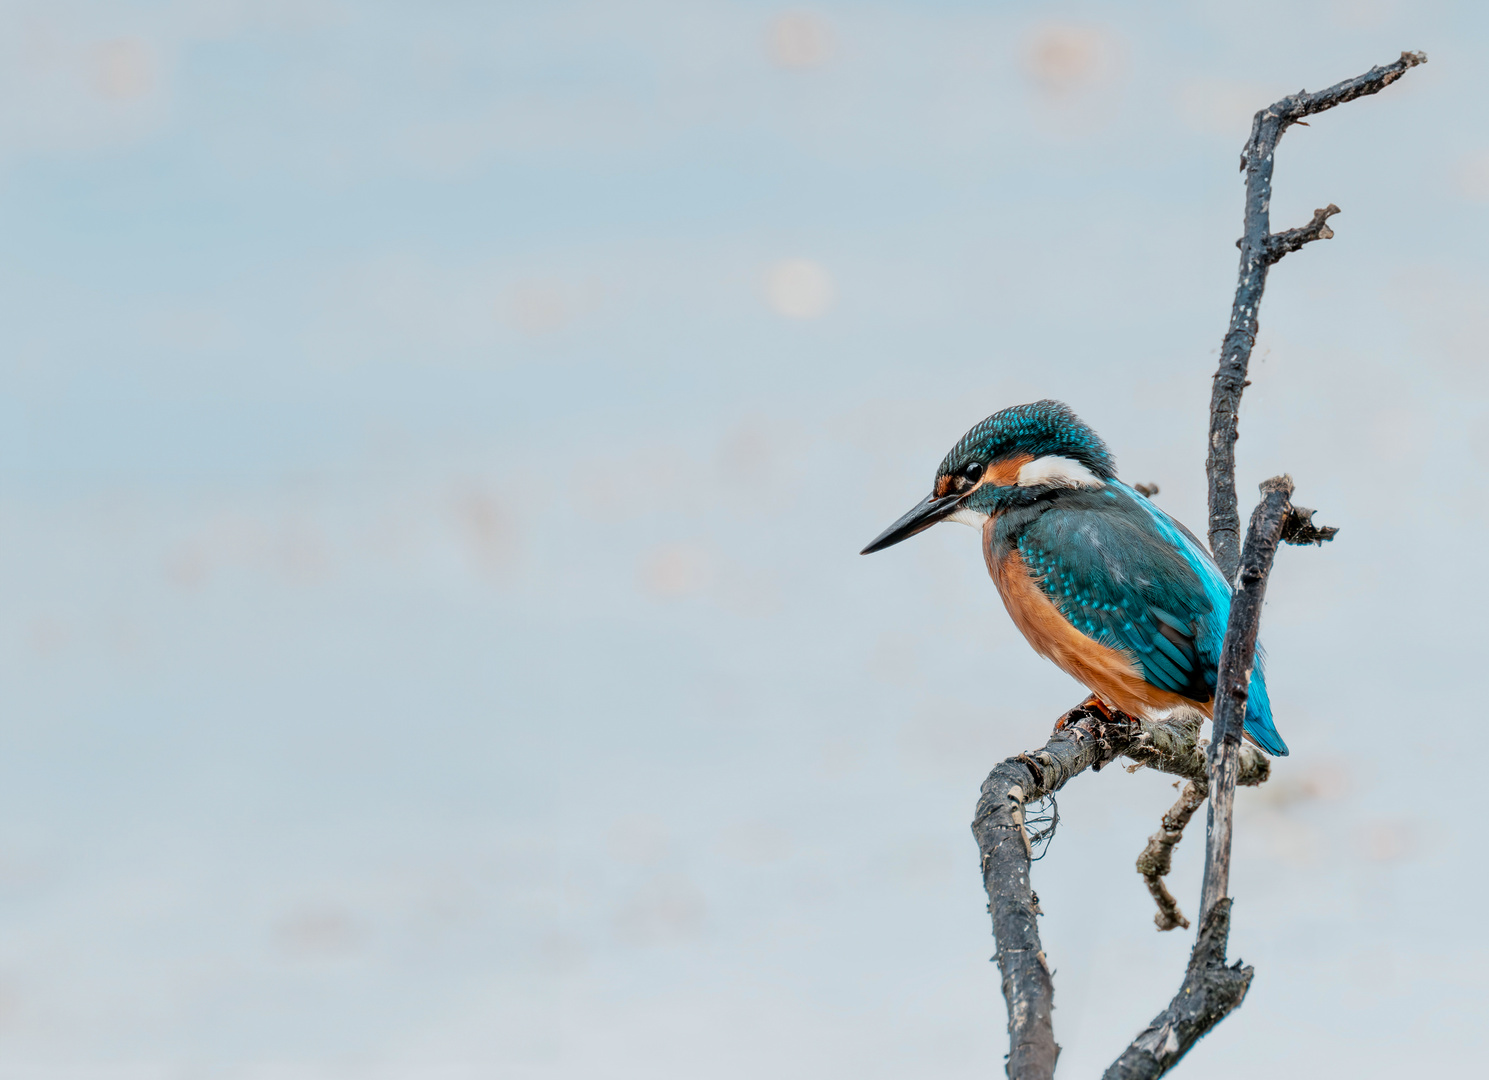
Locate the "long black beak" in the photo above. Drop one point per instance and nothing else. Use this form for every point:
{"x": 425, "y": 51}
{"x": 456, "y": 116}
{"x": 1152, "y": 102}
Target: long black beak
{"x": 925, "y": 514}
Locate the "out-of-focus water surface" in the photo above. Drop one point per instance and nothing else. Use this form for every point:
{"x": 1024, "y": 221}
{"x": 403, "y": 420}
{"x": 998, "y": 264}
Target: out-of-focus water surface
{"x": 435, "y": 443}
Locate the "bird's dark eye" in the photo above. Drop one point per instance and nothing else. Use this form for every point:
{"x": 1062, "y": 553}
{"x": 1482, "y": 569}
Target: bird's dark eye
{"x": 973, "y": 472}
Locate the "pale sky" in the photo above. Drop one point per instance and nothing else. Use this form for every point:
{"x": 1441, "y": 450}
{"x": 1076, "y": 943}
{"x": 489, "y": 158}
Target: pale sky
{"x": 435, "y": 444}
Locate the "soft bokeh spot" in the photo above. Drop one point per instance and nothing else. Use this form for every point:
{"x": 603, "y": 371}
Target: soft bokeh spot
{"x": 800, "y": 39}
{"x": 1065, "y": 59}
{"x": 799, "y": 288}
{"x": 125, "y": 68}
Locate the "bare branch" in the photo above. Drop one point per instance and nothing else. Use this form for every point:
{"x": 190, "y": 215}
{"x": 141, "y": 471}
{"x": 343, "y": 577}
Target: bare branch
{"x": 1211, "y": 990}
{"x": 1084, "y": 740}
{"x": 1194, "y": 764}
{"x": 1300, "y": 529}
{"x": 1157, "y": 858}
{"x": 1283, "y": 243}
{"x": 1080, "y": 742}
{"x": 1173, "y": 746}
{"x": 1259, "y": 250}
{"x": 1233, "y": 682}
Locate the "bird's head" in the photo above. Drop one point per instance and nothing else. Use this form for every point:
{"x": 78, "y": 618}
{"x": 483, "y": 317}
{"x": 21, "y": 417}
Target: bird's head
{"x": 1016, "y": 455}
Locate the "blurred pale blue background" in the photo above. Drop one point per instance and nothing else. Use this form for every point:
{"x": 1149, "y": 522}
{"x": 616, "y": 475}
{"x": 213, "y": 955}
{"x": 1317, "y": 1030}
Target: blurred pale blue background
{"x": 436, "y": 442}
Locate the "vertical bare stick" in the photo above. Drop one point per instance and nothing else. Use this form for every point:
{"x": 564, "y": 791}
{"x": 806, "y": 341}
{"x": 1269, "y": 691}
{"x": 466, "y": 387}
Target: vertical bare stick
{"x": 1232, "y": 685}
{"x": 1211, "y": 989}
{"x": 1259, "y": 250}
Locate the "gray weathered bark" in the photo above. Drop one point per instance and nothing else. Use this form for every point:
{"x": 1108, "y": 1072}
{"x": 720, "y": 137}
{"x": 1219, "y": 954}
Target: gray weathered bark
{"x": 1233, "y": 683}
{"x": 1084, "y": 740}
{"x": 1210, "y": 991}
{"x": 1260, "y": 248}
{"x": 1157, "y": 858}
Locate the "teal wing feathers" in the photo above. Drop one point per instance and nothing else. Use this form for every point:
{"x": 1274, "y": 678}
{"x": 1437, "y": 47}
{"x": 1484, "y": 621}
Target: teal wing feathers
{"x": 1258, "y": 724}
{"x": 1124, "y": 573}
{"x": 1117, "y": 580}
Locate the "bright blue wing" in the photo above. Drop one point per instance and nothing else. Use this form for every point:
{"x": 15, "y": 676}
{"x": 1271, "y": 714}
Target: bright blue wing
{"x": 1118, "y": 580}
{"x": 1127, "y": 575}
{"x": 1259, "y": 723}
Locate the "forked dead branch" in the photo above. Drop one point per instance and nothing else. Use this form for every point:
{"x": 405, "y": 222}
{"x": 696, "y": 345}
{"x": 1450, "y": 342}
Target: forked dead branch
{"x": 1084, "y": 739}
{"x": 1260, "y": 248}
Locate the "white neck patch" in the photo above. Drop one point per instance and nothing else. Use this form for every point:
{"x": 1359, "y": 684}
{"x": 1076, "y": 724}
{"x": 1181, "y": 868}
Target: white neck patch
{"x": 967, "y": 516}
{"x": 1059, "y": 472}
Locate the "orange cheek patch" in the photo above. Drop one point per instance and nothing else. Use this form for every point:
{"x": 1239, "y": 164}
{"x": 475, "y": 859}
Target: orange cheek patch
{"x": 1005, "y": 473}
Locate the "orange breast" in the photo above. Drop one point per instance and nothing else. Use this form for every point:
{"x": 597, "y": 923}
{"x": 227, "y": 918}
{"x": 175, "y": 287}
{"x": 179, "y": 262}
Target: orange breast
{"x": 1108, "y": 673}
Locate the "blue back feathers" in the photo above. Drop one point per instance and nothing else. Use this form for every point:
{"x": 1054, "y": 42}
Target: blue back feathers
{"x": 1097, "y": 557}
{"x": 1258, "y": 706}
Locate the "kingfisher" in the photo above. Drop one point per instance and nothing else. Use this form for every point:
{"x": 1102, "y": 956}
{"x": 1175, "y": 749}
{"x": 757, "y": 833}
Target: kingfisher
{"x": 1099, "y": 580}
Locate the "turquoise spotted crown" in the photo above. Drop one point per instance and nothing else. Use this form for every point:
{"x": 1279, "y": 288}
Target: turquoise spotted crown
{"x": 1041, "y": 428}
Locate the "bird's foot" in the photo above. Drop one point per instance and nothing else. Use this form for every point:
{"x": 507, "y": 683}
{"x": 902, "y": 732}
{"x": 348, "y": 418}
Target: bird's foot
{"x": 1096, "y": 705}
{"x": 1092, "y": 704}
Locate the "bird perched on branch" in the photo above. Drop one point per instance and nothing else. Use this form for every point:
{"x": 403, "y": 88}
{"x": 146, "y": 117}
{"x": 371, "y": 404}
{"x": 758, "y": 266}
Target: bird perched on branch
{"x": 1102, "y": 582}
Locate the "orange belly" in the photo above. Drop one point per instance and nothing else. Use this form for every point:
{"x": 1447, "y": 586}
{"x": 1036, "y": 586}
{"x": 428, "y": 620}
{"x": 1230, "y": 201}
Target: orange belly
{"x": 1108, "y": 673}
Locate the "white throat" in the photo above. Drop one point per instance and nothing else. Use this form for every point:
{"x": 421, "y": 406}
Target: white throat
{"x": 968, "y": 516}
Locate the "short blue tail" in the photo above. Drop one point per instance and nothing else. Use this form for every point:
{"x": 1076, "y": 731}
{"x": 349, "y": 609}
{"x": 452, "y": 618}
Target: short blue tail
{"x": 1259, "y": 714}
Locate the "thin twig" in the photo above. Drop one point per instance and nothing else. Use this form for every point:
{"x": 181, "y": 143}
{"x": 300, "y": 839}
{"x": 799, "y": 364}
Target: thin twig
{"x": 1259, "y": 250}
{"x": 1290, "y": 240}
{"x": 1157, "y": 858}
{"x": 1194, "y": 765}
{"x": 1300, "y": 529}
